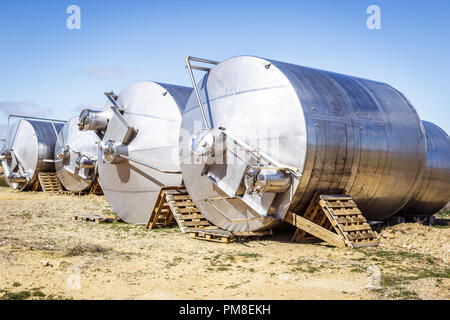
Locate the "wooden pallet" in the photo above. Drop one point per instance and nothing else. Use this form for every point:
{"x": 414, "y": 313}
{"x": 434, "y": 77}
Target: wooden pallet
{"x": 92, "y": 218}
{"x": 49, "y": 182}
{"x": 175, "y": 205}
{"x": 216, "y": 234}
{"x": 335, "y": 219}
{"x": 161, "y": 215}
{"x": 186, "y": 213}
{"x": 36, "y": 186}
{"x": 96, "y": 188}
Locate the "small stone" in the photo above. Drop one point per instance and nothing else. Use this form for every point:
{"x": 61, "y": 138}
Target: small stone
{"x": 387, "y": 234}
{"x": 45, "y": 263}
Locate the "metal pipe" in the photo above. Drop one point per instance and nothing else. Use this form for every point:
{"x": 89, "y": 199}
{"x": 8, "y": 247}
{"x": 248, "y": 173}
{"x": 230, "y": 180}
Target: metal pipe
{"x": 194, "y": 84}
{"x": 278, "y": 166}
{"x": 116, "y": 108}
{"x": 49, "y": 160}
{"x": 149, "y": 165}
{"x": 34, "y": 118}
{"x": 27, "y": 118}
{"x": 82, "y": 153}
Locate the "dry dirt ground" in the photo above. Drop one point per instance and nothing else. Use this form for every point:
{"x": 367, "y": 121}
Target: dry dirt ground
{"x": 44, "y": 254}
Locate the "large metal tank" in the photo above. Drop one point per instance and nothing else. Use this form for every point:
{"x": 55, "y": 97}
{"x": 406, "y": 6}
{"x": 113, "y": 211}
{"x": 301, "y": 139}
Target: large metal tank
{"x": 76, "y": 157}
{"x": 285, "y": 131}
{"x": 433, "y": 191}
{"x": 139, "y": 147}
{"x": 29, "y": 149}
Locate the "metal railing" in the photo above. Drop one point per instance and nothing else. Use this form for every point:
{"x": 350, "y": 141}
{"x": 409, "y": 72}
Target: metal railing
{"x": 30, "y": 118}
{"x": 194, "y": 83}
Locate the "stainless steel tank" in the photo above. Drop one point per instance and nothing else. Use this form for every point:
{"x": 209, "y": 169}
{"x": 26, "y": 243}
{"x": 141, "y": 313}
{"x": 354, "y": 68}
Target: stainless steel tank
{"x": 139, "y": 148}
{"x": 29, "y": 149}
{"x": 271, "y": 134}
{"x": 76, "y": 157}
{"x": 433, "y": 191}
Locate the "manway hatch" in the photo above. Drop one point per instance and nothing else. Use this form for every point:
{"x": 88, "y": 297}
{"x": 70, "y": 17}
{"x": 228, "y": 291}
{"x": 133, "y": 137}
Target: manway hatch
{"x": 335, "y": 219}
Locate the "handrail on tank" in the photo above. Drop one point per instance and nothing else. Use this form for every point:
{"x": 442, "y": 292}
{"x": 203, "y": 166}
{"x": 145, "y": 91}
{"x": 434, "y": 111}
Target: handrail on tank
{"x": 194, "y": 83}
{"x": 26, "y": 118}
{"x": 117, "y": 109}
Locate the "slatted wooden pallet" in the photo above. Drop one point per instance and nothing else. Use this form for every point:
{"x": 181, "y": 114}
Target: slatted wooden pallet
{"x": 161, "y": 215}
{"x": 96, "y": 188}
{"x": 36, "y": 186}
{"x": 335, "y": 219}
{"x": 92, "y": 218}
{"x": 175, "y": 205}
{"x": 49, "y": 182}
{"x": 213, "y": 234}
{"x": 186, "y": 213}
{"x": 216, "y": 234}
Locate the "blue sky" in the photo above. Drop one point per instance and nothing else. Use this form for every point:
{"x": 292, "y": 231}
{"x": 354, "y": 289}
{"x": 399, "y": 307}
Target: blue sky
{"x": 49, "y": 70}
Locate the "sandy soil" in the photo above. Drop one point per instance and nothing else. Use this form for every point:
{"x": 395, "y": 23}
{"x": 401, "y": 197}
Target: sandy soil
{"x": 44, "y": 254}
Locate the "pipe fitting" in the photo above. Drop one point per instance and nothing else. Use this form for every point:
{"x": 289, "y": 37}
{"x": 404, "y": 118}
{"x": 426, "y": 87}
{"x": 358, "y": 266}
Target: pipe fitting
{"x": 92, "y": 120}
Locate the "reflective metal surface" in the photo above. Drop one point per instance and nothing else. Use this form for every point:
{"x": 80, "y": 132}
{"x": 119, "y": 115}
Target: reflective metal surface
{"x": 76, "y": 157}
{"x": 29, "y": 149}
{"x": 139, "y": 150}
{"x": 342, "y": 134}
{"x": 433, "y": 191}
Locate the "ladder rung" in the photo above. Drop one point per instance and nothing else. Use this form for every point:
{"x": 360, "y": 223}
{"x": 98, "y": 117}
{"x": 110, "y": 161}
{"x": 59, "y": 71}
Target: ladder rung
{"x": 188, "y": 210}
{"x": 340, "y": 204}
{"x": 196, "y": 223}
{"x": 180, "y": 197}
{"x": 345, "y": 212}
{"x": 356, "y": 227}
{"x": 355, "y": 219}
{"x": 361, "y": 236}
{"x": 181, "y": 204}
{"x": 191, "y": 216}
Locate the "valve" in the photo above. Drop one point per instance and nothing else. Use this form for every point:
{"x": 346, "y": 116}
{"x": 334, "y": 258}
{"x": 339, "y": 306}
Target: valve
{"x": 111, "y": 153}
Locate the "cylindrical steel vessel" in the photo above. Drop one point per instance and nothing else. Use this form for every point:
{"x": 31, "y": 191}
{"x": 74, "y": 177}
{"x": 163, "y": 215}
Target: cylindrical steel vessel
{"x": 76, "y": 157}
{"x": 29, "y": 149}
{"x": 139, "y": 149}
{"x": 317, "y": 130}
{"x": 433, "y": 191}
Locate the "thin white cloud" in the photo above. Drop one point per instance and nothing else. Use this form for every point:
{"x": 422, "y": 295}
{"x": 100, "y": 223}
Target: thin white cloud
{"x": 22, "y": 108}
{"x": 102, "y": 73}
{"x": 82, "y": 106}
{"x": 25, "y": 107}
{"x": 2, "y": 133}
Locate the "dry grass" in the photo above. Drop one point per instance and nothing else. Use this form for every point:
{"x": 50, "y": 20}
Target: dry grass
{"x": 120, "y": 261}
